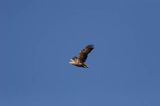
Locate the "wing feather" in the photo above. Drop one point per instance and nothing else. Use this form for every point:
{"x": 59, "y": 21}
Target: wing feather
{"x": 84, "y": 52}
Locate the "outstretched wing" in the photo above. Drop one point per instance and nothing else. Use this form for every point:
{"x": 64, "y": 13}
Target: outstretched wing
{"x": 84, "y": 52}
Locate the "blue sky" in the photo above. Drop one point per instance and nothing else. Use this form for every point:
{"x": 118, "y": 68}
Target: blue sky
{"x": 38, "y": 37}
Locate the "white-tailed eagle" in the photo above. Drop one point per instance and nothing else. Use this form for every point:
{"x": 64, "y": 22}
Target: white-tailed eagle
{"x": 79, "y": 60}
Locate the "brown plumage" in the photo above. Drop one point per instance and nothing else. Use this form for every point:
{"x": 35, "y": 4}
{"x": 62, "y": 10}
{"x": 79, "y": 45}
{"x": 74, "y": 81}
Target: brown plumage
{"x": 81, "y": 59}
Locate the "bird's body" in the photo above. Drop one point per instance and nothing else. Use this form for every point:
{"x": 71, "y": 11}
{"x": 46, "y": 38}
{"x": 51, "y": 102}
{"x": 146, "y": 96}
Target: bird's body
{"x": 79, "y": 61}
{"x": 75, "y": 61}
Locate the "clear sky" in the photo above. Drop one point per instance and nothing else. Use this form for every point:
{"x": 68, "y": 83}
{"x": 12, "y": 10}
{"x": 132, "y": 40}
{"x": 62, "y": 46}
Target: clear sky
{"x": 38, "y": 37}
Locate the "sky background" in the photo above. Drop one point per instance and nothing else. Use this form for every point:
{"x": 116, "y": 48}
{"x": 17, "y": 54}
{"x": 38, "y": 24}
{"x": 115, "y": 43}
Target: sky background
{"x": 38, "y": 37}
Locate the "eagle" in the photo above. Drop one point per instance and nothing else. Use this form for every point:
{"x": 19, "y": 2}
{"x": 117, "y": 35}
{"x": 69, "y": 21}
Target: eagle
{"x": 80, "y": 60}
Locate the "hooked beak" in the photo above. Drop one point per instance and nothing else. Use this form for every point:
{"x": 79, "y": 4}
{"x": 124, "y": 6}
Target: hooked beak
{"x": 85, "y": 66}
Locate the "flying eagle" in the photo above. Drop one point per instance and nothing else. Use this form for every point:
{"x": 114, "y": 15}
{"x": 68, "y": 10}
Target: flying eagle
{"x": 79, "y": 60}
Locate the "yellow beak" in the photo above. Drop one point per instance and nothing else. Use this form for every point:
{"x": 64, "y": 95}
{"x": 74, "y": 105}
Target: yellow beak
{"x": 85, "y": 66}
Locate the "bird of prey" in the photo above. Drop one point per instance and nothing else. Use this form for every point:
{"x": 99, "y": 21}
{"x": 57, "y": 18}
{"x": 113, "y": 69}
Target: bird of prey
{"x": 79, "y": 60}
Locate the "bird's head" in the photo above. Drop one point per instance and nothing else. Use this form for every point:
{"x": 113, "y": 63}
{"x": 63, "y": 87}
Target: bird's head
{"x": 85, "y": 65}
